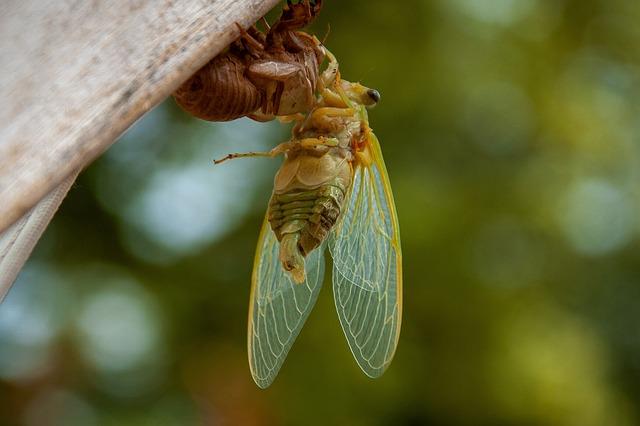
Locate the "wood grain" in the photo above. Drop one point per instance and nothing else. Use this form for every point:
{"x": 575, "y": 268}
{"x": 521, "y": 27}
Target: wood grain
{"x": 75, "y": 75}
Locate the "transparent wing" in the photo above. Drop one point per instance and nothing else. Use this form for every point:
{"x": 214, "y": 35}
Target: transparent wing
{"x": 278, "y": 307}
{"x": 367, "y": 268}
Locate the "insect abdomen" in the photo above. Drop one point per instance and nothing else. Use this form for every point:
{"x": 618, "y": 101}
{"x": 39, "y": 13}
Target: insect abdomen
{"x": 219, "y": 91}
{"x": 302, "y": 219}
{"x": 311, "y": 213}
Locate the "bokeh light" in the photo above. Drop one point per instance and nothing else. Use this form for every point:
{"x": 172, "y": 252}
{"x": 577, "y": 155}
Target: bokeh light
{"x": 119, "y": 333}
{"x": 502, "y": 12}
{"x": 31, "y": 319}
{"x": 118, "y": 329}
{"x": 597, "y": 217}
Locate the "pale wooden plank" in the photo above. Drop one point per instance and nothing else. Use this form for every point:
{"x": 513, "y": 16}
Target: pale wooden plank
{"x": 74, "y": 75}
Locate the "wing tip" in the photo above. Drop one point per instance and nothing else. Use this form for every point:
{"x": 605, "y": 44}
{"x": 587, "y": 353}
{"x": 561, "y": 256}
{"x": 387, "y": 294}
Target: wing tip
{"x": 262, "y": 384}
{"x": 373, "y": 374}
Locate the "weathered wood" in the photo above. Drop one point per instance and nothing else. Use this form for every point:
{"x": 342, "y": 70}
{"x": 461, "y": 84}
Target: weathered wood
{"x": 75, "y": 75}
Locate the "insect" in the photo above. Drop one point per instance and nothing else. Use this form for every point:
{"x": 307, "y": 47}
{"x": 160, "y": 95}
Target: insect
{"x": 261, "y": 75}
{"x": 331, "y": 190}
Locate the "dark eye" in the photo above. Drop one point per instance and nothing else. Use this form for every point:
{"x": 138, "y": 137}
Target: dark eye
{"x": 374, "y": 95}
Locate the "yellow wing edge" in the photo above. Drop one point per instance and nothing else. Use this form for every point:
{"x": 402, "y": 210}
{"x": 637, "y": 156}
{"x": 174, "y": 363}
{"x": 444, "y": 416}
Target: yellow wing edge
{"x": 254, "y": 283}
{"x": 374, "y": 145}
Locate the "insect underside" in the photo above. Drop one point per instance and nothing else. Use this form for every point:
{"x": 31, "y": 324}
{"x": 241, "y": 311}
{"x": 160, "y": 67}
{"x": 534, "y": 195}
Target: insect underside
{"x": 332, "y": 190}
{"x": 302, "y": 218}
{"x": 312, "y": 185}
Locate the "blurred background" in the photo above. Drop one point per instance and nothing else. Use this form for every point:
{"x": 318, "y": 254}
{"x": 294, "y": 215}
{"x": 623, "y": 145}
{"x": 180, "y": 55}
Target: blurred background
{"x": 511, "y": 134}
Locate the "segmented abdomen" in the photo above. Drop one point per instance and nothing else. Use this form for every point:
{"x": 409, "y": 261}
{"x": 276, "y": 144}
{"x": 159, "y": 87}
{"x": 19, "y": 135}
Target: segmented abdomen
{"x": 219, "y": 91}
{"x": 306, "y": 215}
{"x": 308, "y": 196}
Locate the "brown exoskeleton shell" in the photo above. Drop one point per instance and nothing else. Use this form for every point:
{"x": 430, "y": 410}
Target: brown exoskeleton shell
{"x": 261, "y": 75}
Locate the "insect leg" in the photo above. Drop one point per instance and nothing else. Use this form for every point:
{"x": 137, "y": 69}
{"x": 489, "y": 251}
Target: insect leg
{"x": 292, "y": 117}
{"x": 321, "y": 141}
{"x": 321, "y": 118}
{"x": 273, "y": 70}
{"x": 277, "y": 97}
{"x": 251, "y": 44}
{"x": 280, "y": 149}
{"x": 331, "y": 74}
{"x": 331, "y": 98}
{"x": 261, "y": 117}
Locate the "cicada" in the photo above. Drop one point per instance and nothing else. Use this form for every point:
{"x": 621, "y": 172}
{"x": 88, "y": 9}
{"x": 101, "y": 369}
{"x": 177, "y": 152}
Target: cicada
{"x": 262, "y": 75}
{"x": 331, "y": 190}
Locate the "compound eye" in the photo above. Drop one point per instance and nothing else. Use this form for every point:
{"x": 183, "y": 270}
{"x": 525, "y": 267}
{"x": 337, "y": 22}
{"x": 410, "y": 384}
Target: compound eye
{"x": 374, "y": 95}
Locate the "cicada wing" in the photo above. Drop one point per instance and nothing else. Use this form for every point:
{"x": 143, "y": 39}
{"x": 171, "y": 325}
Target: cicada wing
{"x": 367, "y": 268}
{"x": 278, "y": 306}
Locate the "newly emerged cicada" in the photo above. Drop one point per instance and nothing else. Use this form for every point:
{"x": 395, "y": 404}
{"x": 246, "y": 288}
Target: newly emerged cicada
{"x": 332, "y": 190}
{"x": 262, "y": 75}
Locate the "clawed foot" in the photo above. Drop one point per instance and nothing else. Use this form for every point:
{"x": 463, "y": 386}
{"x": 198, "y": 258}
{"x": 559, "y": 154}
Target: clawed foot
{"x": 298, "y": 15}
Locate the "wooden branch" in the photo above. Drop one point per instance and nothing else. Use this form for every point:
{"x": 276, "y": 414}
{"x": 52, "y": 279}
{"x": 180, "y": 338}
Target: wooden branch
{"x": 76, "y": 75}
